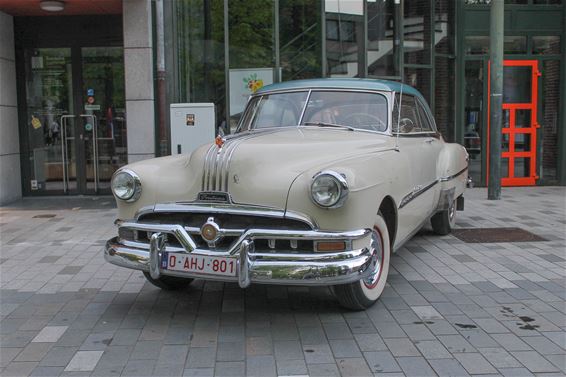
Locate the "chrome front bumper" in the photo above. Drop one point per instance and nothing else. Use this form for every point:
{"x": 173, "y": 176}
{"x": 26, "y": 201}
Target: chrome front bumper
{"x": 254, "y": 266}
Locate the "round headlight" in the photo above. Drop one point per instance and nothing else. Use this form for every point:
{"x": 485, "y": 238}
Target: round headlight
{"x": 329, "y": 189}
{"x": 126, "y": 185}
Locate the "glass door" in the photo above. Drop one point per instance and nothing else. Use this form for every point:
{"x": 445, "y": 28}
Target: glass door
{"x": 103, "y": 115}
{"x": 50, "y": 127}
{"x": 519, "y": 125}
{"x": 75, "y": 118}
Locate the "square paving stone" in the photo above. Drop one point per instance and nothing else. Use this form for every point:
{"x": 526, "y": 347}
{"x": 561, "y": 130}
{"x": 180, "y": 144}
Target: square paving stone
{"x": 475, "y": 363}
{"x": 261, "y": 366}
{"x": 448, "y": 367}
{"x": 353, "y": 367}
{"x": 317, "y": 354}
{"x": 84, "y": 361}
{"x": 70, "y": 270}
{"x": 323, "y": 370}
{"x": 381, "y": 362}
{"x": 50, "y": 334}
{"x": 229, "y": 369}
{"x": 534, "y": 361}
{"x": 58, "y": 356}
{"x": 415, "y": 366}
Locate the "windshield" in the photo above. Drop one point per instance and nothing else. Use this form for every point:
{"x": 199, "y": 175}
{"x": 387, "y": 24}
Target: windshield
{"x": 352, "y": 110}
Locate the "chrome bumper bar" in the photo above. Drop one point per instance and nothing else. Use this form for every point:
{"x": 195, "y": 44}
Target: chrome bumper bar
{"x": 254, "y": 266}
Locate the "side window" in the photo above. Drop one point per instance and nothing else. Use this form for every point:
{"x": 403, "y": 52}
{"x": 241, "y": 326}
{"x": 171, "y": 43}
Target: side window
{"x": 425, "y": 120}
{"x": 408, "y": 120}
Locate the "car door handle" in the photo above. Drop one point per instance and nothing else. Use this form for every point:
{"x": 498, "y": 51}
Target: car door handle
{"x": 429, "y": 141}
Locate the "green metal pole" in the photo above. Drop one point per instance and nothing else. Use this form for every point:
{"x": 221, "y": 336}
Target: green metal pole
{"x": 496, "y": 98}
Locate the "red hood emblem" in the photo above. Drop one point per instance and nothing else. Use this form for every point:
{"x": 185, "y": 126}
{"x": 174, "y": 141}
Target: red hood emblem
{"x": 219, "y": 141}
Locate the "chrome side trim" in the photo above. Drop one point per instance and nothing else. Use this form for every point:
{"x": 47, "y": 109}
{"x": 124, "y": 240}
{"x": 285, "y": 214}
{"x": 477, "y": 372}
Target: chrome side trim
{"x": 420, "y": 190}
{"x": 450, "y": 177}
{"x": 416, "y": 193}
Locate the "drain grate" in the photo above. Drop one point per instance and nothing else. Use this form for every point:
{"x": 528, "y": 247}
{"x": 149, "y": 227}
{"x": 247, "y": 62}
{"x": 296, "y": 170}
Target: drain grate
{"x": 495, "y": 235}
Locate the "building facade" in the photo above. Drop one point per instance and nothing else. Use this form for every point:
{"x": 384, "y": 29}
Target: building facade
{"x": 82, "y": 87}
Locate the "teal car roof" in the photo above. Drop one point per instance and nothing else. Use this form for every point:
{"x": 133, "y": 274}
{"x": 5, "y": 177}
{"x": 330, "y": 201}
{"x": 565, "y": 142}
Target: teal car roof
{"x": 347, "y": 83}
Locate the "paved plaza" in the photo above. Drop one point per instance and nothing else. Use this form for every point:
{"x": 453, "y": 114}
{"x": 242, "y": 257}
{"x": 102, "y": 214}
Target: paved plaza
{"x": 450, "y": 307}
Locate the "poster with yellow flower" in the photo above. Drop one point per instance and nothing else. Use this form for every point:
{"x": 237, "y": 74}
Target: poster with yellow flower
{"x": 244, "y": 82}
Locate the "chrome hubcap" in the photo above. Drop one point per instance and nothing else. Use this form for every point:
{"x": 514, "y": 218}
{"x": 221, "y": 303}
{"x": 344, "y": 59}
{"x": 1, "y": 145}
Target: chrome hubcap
{"x": 376, "y": 262}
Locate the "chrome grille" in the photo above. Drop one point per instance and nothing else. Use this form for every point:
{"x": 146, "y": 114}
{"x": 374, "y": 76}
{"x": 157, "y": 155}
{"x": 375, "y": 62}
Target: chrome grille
{"x": 234, "y": 226}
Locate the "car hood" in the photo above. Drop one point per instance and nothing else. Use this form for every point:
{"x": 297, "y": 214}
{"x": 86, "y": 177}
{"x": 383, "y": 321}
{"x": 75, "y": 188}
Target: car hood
{"x": 259, "y": 167}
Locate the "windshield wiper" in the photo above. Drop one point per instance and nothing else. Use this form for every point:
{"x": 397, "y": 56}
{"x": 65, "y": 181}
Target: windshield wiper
{"x": 325, "y": 124}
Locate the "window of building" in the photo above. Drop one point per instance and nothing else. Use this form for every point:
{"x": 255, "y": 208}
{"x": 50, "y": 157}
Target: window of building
{"x": 417, "y": 32}
{"x": 344, "y": 44}
{"x": 382, "y": 51}
{"x": 476, "y": 45}
{"x": 550, "y": 81}
{"x": 444, "y": 26}
{"x": 514, "y": 45}
{"x": 420, "y": 78}
{"x": 300, "y": 34}
{"x": 546, "y": 45}
{"x": 473, "y": 117}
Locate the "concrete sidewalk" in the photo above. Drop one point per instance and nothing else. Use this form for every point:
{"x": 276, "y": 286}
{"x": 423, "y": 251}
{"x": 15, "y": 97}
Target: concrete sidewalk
{"x": 450, "y": 307}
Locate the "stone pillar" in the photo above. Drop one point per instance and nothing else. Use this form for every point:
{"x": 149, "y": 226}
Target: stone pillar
{"x": 10, "y": 173}
{"x": 138, "y": 65}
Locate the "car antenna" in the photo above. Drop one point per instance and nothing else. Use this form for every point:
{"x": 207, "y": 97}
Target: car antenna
{"x": 399, "y": 118}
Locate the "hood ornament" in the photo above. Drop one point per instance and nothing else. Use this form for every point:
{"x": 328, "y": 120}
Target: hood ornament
{"x": 219, "y": 141}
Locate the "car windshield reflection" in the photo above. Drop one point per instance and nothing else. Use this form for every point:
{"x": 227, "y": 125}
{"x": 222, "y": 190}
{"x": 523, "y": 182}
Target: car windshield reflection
{"x": 318, "y": 108}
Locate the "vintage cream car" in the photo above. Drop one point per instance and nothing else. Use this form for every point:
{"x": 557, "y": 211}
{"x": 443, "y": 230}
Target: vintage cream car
{"x": 321, "y": 182}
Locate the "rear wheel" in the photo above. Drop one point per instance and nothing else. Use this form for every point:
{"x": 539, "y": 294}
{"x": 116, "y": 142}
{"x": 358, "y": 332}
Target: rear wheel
{"x": 443, "y": 222}
{"x": 364, "y": 293}
{"x": 168, "y": 283}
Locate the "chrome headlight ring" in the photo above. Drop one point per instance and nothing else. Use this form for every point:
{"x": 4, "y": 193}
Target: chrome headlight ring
{"x": 329, "y": 189}
{"x": 126, "y": 185}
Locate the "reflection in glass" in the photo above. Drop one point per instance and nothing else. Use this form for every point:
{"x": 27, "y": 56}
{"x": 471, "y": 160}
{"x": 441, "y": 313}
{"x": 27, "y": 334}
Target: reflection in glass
{"x": 48, "y": 98}
{"x": 517, "y": 84}
{"x": 299, "y": 33}
{"x": 381, "y": 35}
{"x": 522, "y": 118}
{"x": 444, "y": 25}
{"x": 476, "y": 45}
{"x": 514, "y": 45}
{"x": 420, "y": 79}
{"x": 444, "y": 88}
{"x": 344, "y": 37}
{"x": 200, "y": 55}
{"x": 104, "y": 119}
{"x": 505, "y": 167}
{"x": 546, "y": 45}
{"x": 364, "y": 111}
{"x": 417, "y": 31}
{"x": 473, "y": 108}
{"x": 550, "y": 81}
{"x": 522, "y": 167}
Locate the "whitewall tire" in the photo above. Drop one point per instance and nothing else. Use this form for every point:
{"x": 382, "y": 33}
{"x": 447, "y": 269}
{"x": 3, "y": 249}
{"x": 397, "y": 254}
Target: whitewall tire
{"x": 364, "y": 293}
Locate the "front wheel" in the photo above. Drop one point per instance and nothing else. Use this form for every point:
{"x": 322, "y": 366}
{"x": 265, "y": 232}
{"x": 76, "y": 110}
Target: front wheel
{"x": 364, "y": 293}
{"x": 443, "y": 222}
{"x": 168, "y": 283}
